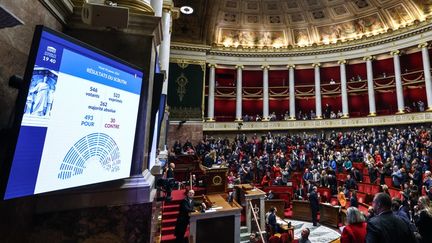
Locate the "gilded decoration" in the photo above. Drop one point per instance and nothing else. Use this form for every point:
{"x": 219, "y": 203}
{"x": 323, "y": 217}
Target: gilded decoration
{"x": 181, "y": 82}
{"x": 263, "y": 25}
{"x": 407, "y": 118}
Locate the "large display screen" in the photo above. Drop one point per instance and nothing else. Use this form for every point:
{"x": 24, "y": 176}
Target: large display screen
{"x": 79, "y": 120}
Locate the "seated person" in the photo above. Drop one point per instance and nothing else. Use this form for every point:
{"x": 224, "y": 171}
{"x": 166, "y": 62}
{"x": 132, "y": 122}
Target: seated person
{"x": 270, "y": 195}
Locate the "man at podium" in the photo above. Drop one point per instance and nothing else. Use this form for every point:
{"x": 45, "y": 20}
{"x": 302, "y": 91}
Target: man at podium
{"x": 186, "y": 206}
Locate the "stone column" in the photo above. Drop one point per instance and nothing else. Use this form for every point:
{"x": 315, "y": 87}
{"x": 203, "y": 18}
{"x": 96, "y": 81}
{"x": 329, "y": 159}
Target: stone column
{"x": 318, "y": 106}
{"x": 344, "y": 91}
{"x": 211, "y": 92}
{"x": 164, "y": 48}
{"x": 291, "y": 92}
{"x": 398, "y": 79}
{"x": 427, "y": 74}
{"x": 262, "y": 213}
{"x": 157, "y": 7}
{"x": 370, "y": 82}
{"x": 248, "y": 215}
{"x": 239, "y": 99}
{"x": 265, "y": 69}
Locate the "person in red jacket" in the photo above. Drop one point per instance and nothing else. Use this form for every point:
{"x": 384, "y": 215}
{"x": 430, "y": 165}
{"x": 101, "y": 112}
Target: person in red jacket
{"x": 355, "y": 231}
{"x": 266, "y": 180}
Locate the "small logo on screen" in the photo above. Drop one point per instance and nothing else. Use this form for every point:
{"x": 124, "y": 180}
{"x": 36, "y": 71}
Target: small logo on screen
{"x": 51, "y": 49}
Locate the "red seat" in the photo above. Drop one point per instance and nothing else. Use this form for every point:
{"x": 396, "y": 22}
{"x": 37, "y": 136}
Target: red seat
{"x": 374, "y": 189}
{"x": 274, "y": 239}
{"x": 365, "y": 171}
{"x": 366, "y": 178}
{"x": 361, "y": 197}
{"x": 361, "y": 187}
{"x": 367, "y": 188}
{"x": 286, "y": 238}
{"x": 334, "y": 201}
{"x": 325, "y": 193}
{"x": 359, "y": 165}
{"x": 388, "y": 181}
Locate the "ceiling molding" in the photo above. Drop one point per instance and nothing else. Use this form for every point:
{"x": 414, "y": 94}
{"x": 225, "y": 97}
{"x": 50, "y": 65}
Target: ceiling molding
{"x": 278, "y": 60}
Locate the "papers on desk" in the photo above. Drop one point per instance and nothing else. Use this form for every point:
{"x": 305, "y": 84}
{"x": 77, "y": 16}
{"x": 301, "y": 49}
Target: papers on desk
{"x": 213, "y": 209}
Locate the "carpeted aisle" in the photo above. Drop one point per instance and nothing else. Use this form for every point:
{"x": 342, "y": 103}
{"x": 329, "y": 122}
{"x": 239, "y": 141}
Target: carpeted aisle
{"x": 170, "y": 211}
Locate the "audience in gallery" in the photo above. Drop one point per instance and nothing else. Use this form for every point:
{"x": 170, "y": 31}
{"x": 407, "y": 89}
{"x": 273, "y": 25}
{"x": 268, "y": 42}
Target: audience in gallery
{"x": 328, "y": 113}
{"x": 402, "y": 153}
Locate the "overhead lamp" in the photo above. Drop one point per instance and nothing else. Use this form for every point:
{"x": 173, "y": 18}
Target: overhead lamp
{"x": 186, "y": 10}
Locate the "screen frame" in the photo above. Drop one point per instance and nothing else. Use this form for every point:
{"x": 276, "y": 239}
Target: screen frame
{"x": 20, "y": 103}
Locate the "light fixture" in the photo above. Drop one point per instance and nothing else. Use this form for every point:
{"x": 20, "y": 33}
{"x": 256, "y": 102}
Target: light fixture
{"x": 186, "y": 10}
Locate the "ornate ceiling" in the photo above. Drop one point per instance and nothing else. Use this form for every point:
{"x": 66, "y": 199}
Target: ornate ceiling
{"x": 293, "y": 23}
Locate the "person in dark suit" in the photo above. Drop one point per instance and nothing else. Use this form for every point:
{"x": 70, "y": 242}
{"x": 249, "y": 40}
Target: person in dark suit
{"x": 186, "y": 207}
{"x": 170, "y": 181}
{"x": 353, "y": 199}
{"x": 299, "y": 193}
{"x": 314, "y": 204}
{"x": 272, "y": 222}
{"x": 386, "y": 227}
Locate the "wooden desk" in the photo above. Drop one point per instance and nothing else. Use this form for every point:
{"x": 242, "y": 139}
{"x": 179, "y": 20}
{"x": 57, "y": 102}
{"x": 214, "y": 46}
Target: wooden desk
{"x": 301, "y": 210}
{"x": 329, "y": 215}
{"x": 279, "y": 204}
{"x": 220, "y": 225}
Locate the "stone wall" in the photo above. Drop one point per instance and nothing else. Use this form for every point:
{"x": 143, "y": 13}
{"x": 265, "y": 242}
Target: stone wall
{"x": 128, "y": 223}
{"x": 15, "y": 45}
{"x": 181, "y": 132}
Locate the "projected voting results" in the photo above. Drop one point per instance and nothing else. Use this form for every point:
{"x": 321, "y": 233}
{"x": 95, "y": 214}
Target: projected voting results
{"x": 79, "y": 122}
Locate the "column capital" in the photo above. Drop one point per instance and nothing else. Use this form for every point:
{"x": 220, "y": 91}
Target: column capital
{"x": 239, "y": 66}
{"x": 212, "y": 65}
{"x": 265, "y": 66}
{"x": 395, "y": 53}
{"x": 423, "y": 45}
{"x": 368, "y": 58}
{"x": 316, "y": 64}
{"x": 343, "y": 61}
{"x": 290, "y": 66}
{"x": 169, "y": 7}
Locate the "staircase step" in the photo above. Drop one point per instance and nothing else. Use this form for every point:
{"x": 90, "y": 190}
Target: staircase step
{"x": 170, "y": 215}
{"x": 169, "y": 222}
{"x": 170, "y": 208}
{"x": 168, "y": 230}
{"x": 168, "y": 238}
{"x": 243, "y": 229}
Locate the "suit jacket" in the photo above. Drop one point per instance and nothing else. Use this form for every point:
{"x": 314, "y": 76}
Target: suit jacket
{"x": 186, "y": 206}
{"x": 388, "y": 228}
{"x": 313, "y": 199}
{"x": 272, "y": 222}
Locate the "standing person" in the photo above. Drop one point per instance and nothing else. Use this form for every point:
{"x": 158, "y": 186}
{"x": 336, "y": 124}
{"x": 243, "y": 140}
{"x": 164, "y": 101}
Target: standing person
{"x": 353, "y": 199}
{"x": 424, "y": 220}
{"x": 186, "y": 207}
{"x": 314, "y": 204}
{"x": 341, "y": 197}
{"x": 272, "y": 222}
{"x": 384, "y": 226}
{"x": 355, "y": 231}
{"x": 169, "y": 176}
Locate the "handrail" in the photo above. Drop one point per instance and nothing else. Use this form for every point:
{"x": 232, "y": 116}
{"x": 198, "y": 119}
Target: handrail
{"x": 256, "y": 221}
